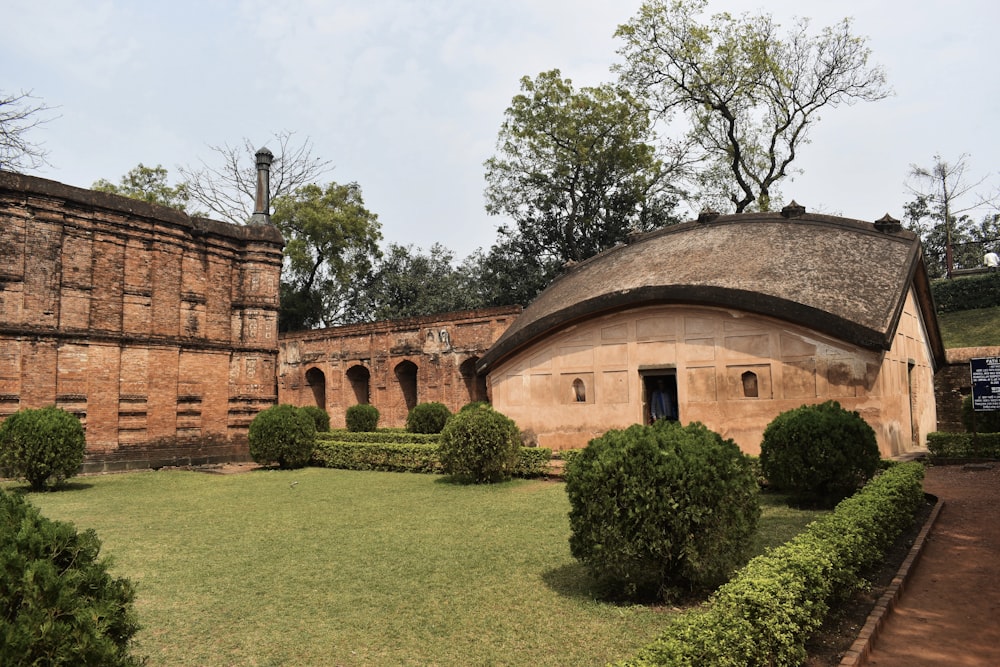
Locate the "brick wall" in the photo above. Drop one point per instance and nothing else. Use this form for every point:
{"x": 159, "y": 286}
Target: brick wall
{"x": 393, "y": 365}
{"x": 157, "y": 329}
{"x": 953, "y": 383}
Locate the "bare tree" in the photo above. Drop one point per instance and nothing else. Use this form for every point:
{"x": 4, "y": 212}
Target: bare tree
{"x": 19, "y": 114}
{"x": 228, "y": 190}
{"x": 941, "y": 187}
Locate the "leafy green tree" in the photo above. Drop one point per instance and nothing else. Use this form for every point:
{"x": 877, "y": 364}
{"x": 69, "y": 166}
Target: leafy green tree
{"x": 331, "y": 244}
{"x": 148, "y": 184}
{"x": 749, "y": 93}
{"x": 506, "y": 276}
{"x": 575, "y": 171}
{"x": 408, "y": 282}
{"x": 20, "y": 113}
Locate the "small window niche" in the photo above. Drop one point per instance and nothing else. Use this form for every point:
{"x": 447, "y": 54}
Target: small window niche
{"x": 579, "y": 391}
{"x": 750, "y": 385}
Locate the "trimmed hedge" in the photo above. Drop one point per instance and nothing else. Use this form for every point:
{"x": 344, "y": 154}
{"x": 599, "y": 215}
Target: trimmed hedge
{"x": 362, "y": 417}
{"x": 967, "y": 292}
{"x": 480, "y": 445}
{"x": 766, "y": 612}
{"x": 410, "y": 457}
{"x": 964, "y": 445}
{"x": 427, "y": 417}
{"x": 380, "y": 436}
{"x": 979, "y": 421}
{"x": 58, "y": 603}
{"x": 319, "y": 417}
{"x": 42, "y": 446}
{"x": 284, "y": 434}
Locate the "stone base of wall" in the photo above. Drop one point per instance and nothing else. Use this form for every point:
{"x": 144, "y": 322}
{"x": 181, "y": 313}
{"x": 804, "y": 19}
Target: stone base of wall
{"x": 167, "y": 452}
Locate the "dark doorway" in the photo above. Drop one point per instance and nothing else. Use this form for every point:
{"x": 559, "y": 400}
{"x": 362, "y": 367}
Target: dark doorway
{"x": 659, "y": 396}
{"x": 317, "y": 382}
{"x": 406, "y": 374}
{"x": 359, "y": 377}
{"x": 475, "y": 384}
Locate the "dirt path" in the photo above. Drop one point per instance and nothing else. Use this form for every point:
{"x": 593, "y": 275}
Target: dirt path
{"x": 947, "y": 614}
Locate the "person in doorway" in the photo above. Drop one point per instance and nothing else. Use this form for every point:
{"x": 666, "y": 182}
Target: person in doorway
{"x": 661, "y": 404}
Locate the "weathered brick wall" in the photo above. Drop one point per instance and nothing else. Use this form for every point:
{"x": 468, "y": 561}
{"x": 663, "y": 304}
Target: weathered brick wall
{"x": 157, "y": 329}
{"x": 393, "y": 365}
{"x": 953, "y": 383}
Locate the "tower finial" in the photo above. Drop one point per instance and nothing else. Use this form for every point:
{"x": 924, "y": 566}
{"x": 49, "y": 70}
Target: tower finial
{"x": 262, "y": 202}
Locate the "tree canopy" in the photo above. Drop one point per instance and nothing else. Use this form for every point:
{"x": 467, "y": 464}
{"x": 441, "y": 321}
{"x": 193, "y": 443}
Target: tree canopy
{"x": 331, "y": 246}
{"x": 147, "y": 184}
{"x": 575, "y": 170}
{"x": 750, "y": 94}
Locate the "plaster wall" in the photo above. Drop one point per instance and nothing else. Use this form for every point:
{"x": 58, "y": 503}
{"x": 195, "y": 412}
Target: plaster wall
{"x": 711, "y": 351}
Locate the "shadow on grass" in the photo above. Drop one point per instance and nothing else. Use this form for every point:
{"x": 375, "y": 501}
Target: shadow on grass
{"x": 25, "y": 489}
{"x": 572, "y": 581}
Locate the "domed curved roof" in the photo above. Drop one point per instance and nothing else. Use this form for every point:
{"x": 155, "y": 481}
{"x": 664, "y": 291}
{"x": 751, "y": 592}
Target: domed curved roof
{"x": 846, "y": 278}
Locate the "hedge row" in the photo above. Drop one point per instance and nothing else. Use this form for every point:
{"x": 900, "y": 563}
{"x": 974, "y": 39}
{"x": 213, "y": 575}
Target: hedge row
{"x": 964, "y": 445}
{"x": 408, "y": 457}
{"x": 967, "y": 293}
{"x": 384, "y": 436}
{"x": 766, "y": 612}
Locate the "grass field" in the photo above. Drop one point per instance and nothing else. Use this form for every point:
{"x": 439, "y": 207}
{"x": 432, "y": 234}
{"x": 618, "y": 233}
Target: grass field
{"x": 331, "y": 567}
{"x": 970, "y": 328}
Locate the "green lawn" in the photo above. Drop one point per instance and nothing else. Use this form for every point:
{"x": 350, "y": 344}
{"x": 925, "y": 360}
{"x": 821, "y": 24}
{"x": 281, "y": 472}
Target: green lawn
{"x": 970, "y": 328}
{"x": 332, "y": 567}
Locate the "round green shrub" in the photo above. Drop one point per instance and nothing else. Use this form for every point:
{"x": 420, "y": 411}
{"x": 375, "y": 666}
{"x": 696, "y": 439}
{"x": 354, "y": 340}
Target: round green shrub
{"x": 362, "y": 418}
{"x": 319, "y": 416}
{"x": 41, "y": 446}
{"x": 59, "y": 604}
{"x": 980, "y": 422}
{"x": 475, "y": 405}
{"x": 480, "y": 445}
{"x": 657, "y": 511}
{"x": 427, "y": 417}
{"x": 819, "y": 454}
{"x": 282, "y": 433}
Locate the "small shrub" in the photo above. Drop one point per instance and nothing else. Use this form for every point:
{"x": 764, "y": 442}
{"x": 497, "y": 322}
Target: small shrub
{"x": 41, "y": 446}
{"x": 427, "y": 417}
{"x": 282, "y": 433}
{"x": 979, "y": 421}
{"x": 480, "y": 444}
{"x": 656, "y": 510}
{"x": 319, "y": 416}
{"x": 58, "y": 604}
{"x": 819, "y": 454}
{"x": 475, "y": 405}
{"x": 362, "y": 417}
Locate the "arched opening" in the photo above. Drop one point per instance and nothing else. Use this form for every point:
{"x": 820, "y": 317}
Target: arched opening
{"x": 406, "y": 375}
{"x": 579, "y": 391}
{"x": 359, "y": 377}
{"x": 750, "y": 389}
{"x": 475, "y": 384}
{"x": 317, "y": 382}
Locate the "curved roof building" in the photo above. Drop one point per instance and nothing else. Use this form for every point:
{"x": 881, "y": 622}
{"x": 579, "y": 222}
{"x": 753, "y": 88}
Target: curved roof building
{"x": 740, "y": 317}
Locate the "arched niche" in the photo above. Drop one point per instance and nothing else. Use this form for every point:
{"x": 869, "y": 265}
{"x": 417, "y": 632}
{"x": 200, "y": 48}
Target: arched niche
{"x": 359, "y": 378}
{"x": 316, "y": 380}
{"x": 406, "y": 376}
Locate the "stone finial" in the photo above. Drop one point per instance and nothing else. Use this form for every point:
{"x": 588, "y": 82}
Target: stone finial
{"x": 888, "y": 224}
{"x": 707, "y": 215}
{"x": 262, "y": 201}
{"x": 793, "y": 210}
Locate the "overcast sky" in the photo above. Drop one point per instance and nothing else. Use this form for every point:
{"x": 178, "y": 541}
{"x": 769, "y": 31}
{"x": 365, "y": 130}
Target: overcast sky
{"x": 406, "y": 97}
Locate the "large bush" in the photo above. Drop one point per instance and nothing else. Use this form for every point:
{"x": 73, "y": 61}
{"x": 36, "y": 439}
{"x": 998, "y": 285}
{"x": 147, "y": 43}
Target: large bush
{"x": 362, "y": 417}
{"x": 481, "y": 445}
{"x": 282, "y": 433}
{"x": 662, "y": 509}
{"x": 979, "y": 421}
{"x": 319, "y": 416}
{"x": 427, "y": 417}
{"x": 819, "y": 454}
{"x": 58, "y": 604}
{"x": 42, "y": 446}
